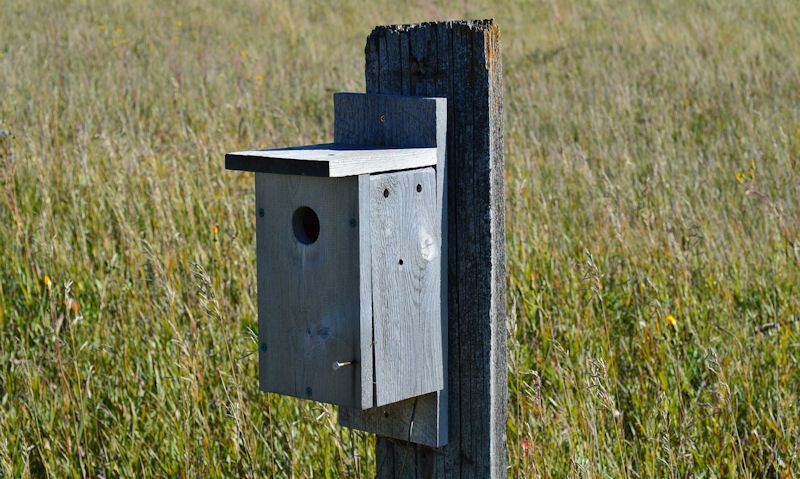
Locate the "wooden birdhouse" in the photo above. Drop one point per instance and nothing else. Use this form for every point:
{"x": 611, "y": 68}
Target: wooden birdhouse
{"x": 349, "y": 255}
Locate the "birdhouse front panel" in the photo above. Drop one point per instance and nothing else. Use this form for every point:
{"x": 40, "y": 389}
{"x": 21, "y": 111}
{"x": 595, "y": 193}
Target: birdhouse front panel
{"x": 310, "y": 298}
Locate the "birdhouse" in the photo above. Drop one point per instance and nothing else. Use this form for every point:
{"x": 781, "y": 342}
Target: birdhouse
{"x": 349, "y": 255}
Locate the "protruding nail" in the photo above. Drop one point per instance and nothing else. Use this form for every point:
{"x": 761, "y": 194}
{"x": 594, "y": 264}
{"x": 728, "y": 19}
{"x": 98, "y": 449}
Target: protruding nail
{"x": 336, "y": 365}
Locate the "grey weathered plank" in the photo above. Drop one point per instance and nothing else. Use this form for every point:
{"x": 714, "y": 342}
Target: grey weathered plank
{"x": 385, "y": 121}
{"x": 304, "y": 324}
{"x": 465, "y": 68}
{"x": 409, "y": 420}
{"x": 367, "y": 377}
{"x": 333, "y": 160}
{"x": 406, "y": 246}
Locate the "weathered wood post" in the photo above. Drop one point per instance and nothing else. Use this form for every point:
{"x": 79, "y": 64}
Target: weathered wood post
{"x": 461, "y": 62}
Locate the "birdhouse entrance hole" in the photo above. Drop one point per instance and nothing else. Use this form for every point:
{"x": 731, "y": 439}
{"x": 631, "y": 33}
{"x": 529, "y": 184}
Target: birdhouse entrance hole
{"x": 305, "y": 223}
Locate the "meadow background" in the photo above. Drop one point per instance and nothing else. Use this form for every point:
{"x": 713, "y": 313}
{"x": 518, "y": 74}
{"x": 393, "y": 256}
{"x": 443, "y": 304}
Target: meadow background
{"x": 653, "y": 194}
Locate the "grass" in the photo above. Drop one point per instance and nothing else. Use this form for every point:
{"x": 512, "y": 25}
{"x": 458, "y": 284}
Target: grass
{"x": 652, "y": 171}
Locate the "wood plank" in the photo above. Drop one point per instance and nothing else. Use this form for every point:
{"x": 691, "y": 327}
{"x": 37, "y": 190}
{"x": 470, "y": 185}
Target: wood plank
{"x": 304, "y": 324}
{"x": 406, "y": 245}
{"x": 407, "y": 420}
{"x": 333, "y": 160}
{"x": 385, "y": 120}
{"x": 367, "y": 364}
{"x": 468, "y": 73}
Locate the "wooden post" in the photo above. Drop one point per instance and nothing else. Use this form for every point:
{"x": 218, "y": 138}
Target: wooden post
{"x": 459, "y": 61}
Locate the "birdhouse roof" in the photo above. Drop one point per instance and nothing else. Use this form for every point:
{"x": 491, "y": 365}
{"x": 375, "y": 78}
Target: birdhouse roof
{"x": 330, "y": 160}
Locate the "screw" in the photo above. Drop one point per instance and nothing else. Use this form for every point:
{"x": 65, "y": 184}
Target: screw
{"x": 261, "y": 212}
{"x": 336, "y": 364}
{"x": 353, "y": 222}
{"x": 308, "y": 391}
{"x": 263, "y": 347}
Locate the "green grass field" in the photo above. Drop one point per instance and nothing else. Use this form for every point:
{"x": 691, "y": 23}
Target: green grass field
{"x": 653, "y": 226}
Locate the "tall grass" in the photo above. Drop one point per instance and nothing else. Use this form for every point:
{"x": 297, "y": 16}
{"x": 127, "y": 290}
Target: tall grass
{"x": 653, "y": 244}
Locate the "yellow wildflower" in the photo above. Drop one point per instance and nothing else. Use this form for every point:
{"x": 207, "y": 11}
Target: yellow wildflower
{"x": 47, "y": 282}
{"x": 243, "y": 53}
{"x": 740, "y": 177}
{"x": 259, "y": 78}
{"x": 178, "y": 24}
{"x": 214, "y": 229}
{"x": 670, "y": 320}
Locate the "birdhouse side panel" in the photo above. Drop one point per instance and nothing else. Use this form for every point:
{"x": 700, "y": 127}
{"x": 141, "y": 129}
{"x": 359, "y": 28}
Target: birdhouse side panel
{"x": 406, "y": 249}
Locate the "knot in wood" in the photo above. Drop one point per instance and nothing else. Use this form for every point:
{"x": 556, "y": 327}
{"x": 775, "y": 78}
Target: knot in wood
{"x": 427, "y": 246}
